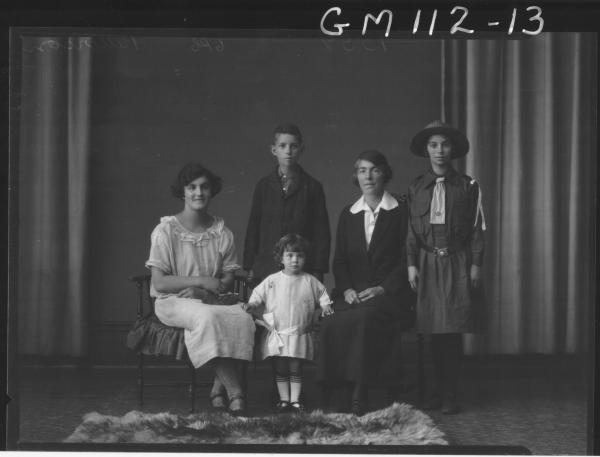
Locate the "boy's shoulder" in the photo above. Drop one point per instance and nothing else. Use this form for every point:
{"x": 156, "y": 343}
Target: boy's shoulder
{"x": 308, "y": 176}
{"x": 265, "y": 179}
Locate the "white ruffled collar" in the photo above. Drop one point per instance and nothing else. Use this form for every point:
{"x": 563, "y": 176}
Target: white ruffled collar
{"x": 184, "y": 234}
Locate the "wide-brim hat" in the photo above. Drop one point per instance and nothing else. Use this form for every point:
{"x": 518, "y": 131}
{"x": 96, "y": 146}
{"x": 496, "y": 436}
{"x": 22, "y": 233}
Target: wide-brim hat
{"x": 460, "y": 144}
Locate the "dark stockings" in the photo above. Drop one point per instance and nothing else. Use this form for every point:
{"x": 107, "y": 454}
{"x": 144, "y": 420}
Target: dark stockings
{"x": 446, "y": 351}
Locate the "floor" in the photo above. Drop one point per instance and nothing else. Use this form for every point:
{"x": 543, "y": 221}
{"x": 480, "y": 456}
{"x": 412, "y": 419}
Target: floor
{"x": 538, "y": 402}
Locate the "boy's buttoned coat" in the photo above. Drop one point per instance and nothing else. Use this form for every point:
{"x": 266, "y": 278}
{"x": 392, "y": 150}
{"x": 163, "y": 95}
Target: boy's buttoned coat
{"x": 275, "y": 214}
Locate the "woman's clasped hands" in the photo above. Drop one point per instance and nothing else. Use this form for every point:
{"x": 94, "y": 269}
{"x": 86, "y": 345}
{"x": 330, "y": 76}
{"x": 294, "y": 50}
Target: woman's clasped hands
{"x": 352, "y": 297}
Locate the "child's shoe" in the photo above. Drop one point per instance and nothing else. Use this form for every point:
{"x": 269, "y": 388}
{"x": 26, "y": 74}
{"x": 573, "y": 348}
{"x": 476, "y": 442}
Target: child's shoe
{"x": 282, "y": 406}
{"x": 296, "y": 407}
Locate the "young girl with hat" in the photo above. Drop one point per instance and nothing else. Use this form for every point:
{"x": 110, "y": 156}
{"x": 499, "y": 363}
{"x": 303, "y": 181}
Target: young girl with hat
{"x": 444, "y": 253}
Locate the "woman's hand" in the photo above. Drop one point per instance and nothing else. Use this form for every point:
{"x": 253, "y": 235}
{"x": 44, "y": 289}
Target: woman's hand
{"x": 371, "y": 292}
{"x": 351, "y": 297}
{"x": 413, "y": 277}
{"x": 212, "y": 284}
{"x": 191, "y": 292}
{"x": 475, "y": 276}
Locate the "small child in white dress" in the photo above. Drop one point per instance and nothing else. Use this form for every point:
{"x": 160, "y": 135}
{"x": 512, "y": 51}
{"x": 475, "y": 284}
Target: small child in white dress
{"x": 284, "y": 303}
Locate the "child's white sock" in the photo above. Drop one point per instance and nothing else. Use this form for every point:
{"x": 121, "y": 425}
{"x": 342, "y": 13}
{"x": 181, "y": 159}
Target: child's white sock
{"x": 283, "y": 387}
{"x": 295, "y": 388}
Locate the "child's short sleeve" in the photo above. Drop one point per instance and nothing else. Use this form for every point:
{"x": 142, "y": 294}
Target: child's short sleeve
{"x": 259, "y": 294}
{"x": 228, "y": 252}
{"x": 161, "y": 250}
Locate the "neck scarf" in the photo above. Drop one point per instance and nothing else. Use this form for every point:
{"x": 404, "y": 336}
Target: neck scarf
{"x": 437, "y": 214}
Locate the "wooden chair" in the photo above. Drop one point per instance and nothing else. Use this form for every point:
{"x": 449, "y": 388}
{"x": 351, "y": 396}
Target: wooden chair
{"x": 150, "y": 337}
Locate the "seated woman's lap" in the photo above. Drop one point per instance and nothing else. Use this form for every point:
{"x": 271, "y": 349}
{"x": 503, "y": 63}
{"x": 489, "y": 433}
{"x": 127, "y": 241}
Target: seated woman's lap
{"x": 188, "y": 313}
{"x": 356, "y": 340}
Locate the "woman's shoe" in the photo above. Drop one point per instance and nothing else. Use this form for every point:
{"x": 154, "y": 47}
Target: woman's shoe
{"x": 296, "y": 407}
{"x": 218, "y": 402}
{"x": 282, "y": 406}
{"x": 237, "y": 406}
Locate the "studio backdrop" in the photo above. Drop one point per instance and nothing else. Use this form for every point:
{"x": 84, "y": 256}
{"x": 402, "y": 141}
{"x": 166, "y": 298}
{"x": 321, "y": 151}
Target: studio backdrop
{"x": 105, "y": 122}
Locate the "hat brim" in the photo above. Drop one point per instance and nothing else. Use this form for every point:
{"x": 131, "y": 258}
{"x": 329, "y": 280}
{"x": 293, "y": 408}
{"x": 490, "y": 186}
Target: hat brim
{"x": 460, "y": 143}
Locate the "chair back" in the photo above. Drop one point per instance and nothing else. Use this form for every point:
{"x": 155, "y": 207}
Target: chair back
{"x": 145, "y": 303}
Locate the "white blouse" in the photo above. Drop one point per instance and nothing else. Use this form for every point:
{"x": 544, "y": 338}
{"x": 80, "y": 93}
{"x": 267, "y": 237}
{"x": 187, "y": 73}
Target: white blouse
{"x": 387, "y": 203}
{"x": 177, "y": 251}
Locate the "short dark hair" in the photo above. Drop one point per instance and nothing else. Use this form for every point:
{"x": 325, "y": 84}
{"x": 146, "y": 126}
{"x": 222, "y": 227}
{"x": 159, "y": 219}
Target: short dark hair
{"x": 289, "y": 129}
{"x": 191, "y": 172}
{"x": 377, "y": 159}
{"x": 291, "y": 242}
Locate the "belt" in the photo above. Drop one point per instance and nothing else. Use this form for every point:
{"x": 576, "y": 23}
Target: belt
{"x": 440, "y": 252}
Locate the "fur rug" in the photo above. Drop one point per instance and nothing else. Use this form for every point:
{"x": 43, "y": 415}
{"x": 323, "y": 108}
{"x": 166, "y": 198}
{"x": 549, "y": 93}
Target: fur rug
{"x": 398, "y": 424}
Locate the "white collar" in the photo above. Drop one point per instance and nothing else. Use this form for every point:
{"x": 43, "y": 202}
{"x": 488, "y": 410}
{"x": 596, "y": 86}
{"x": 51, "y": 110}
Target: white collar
{"x": 387, "y": 203}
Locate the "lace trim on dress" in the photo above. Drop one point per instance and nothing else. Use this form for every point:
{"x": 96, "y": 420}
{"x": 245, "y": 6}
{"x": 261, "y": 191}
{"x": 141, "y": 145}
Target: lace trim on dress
{"x": 198, "y": 239}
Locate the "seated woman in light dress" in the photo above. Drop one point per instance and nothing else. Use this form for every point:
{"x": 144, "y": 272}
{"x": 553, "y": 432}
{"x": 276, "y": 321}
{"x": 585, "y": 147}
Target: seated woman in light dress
{"x": 193, "y": 259}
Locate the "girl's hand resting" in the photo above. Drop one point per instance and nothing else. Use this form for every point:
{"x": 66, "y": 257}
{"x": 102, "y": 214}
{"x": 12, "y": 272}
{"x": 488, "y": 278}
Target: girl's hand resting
{"x": 413, "y": 277}
{"x": 475, "y": 276}
{"x": 327, "y": 310}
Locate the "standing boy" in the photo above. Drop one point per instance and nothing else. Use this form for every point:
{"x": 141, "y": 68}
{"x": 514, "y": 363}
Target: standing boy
{"x": 288, "y": 200}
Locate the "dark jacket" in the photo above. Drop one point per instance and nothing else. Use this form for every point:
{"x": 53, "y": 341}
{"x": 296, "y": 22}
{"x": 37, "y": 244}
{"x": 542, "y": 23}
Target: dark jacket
{"x": 383, "y": 264}
{"x": 462, "y": 194}
{"x": 275, "y": 214}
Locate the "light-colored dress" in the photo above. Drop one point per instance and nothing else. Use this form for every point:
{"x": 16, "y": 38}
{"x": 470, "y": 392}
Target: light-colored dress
{"x": 210, "y": 330}
{"x": 290, "y": 303}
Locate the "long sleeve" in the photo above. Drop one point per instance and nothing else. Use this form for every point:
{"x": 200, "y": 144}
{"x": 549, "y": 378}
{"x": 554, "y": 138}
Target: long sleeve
{"x": 412, "y": 242}
{"x": 322, "y": 234}
{"x": 251, "y": 243}
{"x": 341, "y": 270}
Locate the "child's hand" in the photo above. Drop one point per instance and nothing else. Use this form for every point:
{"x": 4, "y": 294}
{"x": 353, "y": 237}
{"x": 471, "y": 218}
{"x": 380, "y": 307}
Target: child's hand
{"x": 255, "y": 309}
{"x": 327, "y": 310}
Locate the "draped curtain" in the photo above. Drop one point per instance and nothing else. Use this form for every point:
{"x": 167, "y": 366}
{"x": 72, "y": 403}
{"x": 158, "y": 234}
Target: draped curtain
{"x": 53, "y": 162}
{"x": 528, "y": 108}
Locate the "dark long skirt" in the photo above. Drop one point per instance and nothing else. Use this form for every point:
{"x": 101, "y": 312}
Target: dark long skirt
{"x": 362, "y": 344}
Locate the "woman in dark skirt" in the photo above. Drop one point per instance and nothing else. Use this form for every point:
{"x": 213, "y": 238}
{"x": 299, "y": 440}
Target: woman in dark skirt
{"x": 445, "y": 253}
{"x": 359, "y": 344}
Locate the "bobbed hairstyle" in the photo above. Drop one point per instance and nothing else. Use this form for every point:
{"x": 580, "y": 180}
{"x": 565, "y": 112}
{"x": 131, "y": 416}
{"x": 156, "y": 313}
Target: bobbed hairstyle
{"x": 291, "y": 242}
{"x": 191, "y": 172}
{"x": 289, "y": 129}
{"x": 377, "y": 159}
